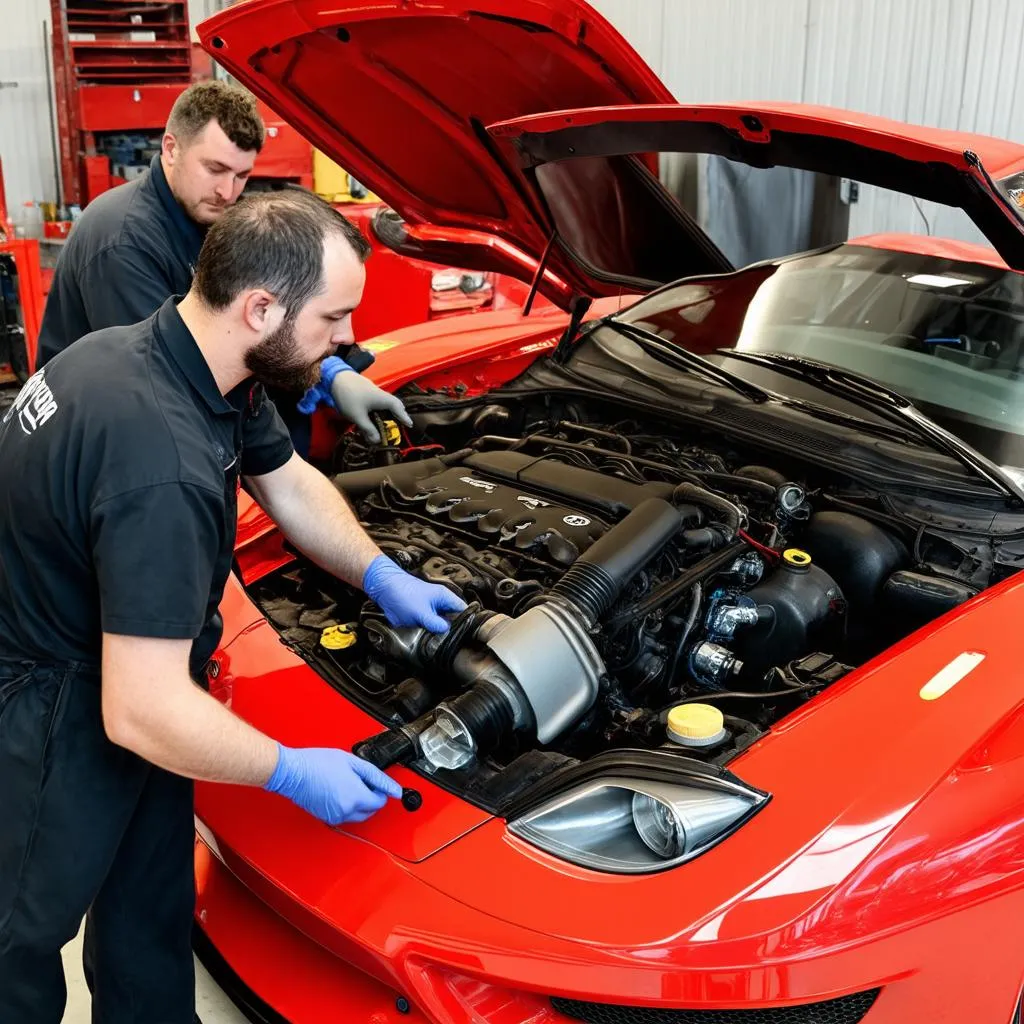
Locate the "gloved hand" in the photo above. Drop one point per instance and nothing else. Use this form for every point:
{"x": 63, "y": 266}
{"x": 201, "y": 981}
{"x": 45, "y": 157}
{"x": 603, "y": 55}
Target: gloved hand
{"x": 407, "y": 600}
{"x": 355, "y": 397}
{"x": 332, "y": 785}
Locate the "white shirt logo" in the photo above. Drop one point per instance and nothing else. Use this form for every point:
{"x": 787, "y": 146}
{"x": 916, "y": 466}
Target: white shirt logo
{"x": 34, "y": 405}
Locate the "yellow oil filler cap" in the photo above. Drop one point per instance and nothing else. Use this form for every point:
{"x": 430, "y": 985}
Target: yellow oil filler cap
{"x": 795, "y": 558}
{"x": 696, "y": 725}
{"x": 337, "y": 638}
{"x": 392, "y": 435}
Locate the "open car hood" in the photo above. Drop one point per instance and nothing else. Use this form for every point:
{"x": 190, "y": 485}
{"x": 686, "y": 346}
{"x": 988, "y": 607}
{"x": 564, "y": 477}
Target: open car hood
{"x": 400, "y": 93}
{"x": 613, "y": 216}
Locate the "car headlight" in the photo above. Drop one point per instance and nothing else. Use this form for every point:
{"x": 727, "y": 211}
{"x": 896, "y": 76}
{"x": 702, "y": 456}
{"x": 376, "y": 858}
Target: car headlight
{"x": 636, "y": 826}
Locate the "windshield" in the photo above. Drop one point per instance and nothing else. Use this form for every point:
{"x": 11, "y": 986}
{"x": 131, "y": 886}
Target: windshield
{"x": 947, "y": 334}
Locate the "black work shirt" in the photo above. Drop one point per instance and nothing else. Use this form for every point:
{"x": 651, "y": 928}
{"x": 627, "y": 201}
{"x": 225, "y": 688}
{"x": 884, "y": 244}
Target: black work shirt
{"x": 132, "y": 248}
{"x": 119, "y": 472}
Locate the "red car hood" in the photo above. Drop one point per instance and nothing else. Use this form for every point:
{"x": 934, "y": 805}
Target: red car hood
{"x": 415, "y": 96}
{"x": 400, "y": 92}
{"x": 577, "y": 164}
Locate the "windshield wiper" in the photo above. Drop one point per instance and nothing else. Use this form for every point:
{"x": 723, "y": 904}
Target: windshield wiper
{"x": 680, "y": 359}
{"x": 883, "y": 402}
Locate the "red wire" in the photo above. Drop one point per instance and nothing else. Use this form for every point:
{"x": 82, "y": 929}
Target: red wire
{"x": 757, "y": 545}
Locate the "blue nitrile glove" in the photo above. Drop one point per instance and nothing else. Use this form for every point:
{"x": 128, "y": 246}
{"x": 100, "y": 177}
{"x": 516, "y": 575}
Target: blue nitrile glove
{"x": 407, "y": 600}
{"x": 332, "y": 785}
{"x": 352, "y": 395}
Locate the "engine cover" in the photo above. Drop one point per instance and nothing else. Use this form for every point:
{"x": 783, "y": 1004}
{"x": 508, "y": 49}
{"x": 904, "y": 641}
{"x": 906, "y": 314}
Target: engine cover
{"x": 505, "y": 514}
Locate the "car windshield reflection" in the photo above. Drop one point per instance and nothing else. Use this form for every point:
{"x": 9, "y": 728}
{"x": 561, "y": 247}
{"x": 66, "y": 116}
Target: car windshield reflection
{"x": 948, "y": 335}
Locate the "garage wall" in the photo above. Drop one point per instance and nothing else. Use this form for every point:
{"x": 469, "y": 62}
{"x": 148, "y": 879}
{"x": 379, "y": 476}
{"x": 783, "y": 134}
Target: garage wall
{"x": 948, "y": 63}
{"x": 25, "y": 146}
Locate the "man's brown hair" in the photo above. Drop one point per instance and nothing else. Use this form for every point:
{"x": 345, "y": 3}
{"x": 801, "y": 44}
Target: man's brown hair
{"x": 272, "y": 240}
{"x": 231, "y": 106}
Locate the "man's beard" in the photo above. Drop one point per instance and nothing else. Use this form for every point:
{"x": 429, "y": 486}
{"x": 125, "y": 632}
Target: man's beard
{"x": 273, "y": 361}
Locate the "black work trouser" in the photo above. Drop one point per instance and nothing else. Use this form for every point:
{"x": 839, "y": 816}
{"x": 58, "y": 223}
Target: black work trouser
{"x": 88, "y": 828}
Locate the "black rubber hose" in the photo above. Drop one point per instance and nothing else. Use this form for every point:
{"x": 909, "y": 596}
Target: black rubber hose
{"x": 772, "y": 477}
{"x": 465, "y": 624}
{"x": 595, "y": 580}
{"x": 704, "y": 538}
{"x": 707, "y": 566}
{"x": 694, "y": 495}
{"x": 582, "y": 428}
{"x": 726, "y": 481}
{"x": 486, "y": 712}
{"x": 696, "y": 595}
{"x": 387, "y": 748}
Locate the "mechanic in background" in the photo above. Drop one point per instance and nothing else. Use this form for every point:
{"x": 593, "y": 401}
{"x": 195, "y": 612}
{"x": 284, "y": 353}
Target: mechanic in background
{"x": 137, "y": 244}
{"x": 120, "y": 463}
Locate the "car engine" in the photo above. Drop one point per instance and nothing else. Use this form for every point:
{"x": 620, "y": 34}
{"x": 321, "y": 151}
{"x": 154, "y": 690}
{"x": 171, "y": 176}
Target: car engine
{"x": 613, "y": 571}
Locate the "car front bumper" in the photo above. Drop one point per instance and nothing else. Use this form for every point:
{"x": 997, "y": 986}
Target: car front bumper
{"x": 275, "y": 967}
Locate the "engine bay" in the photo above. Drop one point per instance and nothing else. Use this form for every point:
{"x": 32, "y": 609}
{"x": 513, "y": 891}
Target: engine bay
{"x": 617, "y": 567}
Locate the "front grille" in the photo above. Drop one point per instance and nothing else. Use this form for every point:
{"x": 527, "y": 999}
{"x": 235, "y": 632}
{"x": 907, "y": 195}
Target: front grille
{"x": 845, "y": 1010}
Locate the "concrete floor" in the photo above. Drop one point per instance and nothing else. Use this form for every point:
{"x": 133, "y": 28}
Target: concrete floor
{"x": 211, "y": 1004}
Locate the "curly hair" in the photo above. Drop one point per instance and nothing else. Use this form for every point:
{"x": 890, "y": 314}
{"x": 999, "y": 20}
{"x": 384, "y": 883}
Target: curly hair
{"x": 231, "y": 106}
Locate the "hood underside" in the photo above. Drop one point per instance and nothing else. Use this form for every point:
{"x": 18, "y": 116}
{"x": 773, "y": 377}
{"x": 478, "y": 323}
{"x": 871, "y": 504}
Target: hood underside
{"x": 580, "y": 164}
{"x": 534, "y": 122}
{"x": 400, "y": 93}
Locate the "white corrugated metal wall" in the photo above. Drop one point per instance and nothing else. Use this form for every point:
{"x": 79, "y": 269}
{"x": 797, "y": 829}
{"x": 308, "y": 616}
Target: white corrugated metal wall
{"x": 25, "y": 145}
{"x": 948, "y": 63}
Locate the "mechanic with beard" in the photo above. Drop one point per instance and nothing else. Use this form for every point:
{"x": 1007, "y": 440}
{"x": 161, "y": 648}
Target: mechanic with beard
{"x": 137, "y": 244}
{"x": 120, "y": 463}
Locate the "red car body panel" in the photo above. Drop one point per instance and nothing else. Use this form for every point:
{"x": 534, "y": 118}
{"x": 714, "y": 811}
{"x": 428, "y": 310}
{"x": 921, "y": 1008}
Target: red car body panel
{"x": 397, "y": 291}
{"x": 897, "y": 828}
{"x": 398, "y": 286}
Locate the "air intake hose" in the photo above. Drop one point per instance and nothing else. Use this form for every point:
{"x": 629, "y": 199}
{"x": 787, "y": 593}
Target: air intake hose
{"x": 728, "y": 513}
{"x": 540, "y": 671}
{"x": 595, "y": 580}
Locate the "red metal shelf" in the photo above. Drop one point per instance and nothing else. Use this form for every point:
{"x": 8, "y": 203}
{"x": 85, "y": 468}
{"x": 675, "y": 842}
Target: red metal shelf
{"x": 126, "y": 44}
{"x": 123, "y": 26}
{"x": 112, "y": 82}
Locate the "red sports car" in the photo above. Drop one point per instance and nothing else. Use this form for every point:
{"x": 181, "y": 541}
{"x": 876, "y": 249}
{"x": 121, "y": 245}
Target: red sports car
{"x": 731, "y": 731}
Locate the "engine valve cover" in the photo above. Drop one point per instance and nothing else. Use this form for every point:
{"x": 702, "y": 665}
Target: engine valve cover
{"x": 505, "y": 514}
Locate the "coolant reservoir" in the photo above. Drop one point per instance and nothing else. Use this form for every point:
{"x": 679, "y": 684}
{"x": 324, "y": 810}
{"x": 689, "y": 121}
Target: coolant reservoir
{"x": 807, "y": 610}
{"x": 695, "y": 725}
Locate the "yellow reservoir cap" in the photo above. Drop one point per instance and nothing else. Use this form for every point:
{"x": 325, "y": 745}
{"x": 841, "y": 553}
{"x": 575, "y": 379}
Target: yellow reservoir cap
{"x": 392, "y": 435}
{"x": 337, "y": 638}
{"x": 797, "y": 557}
{"x": 696, "y": 725}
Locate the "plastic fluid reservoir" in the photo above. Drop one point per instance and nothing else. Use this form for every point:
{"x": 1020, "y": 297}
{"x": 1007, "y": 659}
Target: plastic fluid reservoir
{"x": 804, "y": 601}
{"x": 695, "y": 725}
